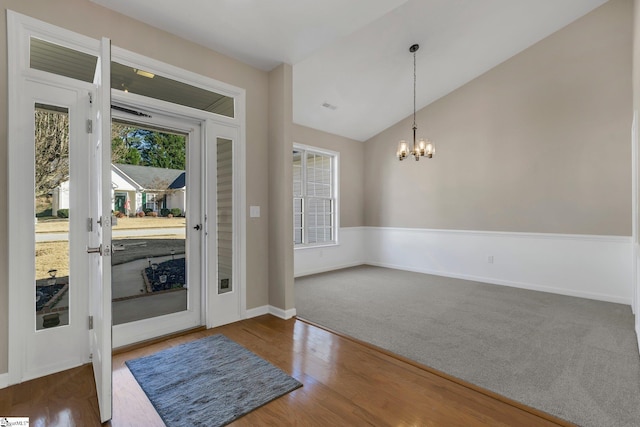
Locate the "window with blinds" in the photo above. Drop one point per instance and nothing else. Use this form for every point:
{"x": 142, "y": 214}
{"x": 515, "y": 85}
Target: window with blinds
{"x": 314, "y": 197}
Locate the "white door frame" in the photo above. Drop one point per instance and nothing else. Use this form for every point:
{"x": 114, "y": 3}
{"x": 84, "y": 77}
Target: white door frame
{"x": 19, "y": 29}
{"x": 37, "y": 345}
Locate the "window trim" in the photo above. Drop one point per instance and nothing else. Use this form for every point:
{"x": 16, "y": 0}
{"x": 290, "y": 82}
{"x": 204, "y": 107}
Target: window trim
{"x": 335, "y": 164}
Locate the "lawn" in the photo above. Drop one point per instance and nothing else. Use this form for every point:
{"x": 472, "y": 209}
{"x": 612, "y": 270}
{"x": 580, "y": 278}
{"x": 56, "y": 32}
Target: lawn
{"x": 62, "y": 225}
{"x": 52, "y": 255}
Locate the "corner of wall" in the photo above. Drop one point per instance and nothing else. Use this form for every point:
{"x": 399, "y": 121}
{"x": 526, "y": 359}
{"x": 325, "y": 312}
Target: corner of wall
{"x": 280, "y": 195}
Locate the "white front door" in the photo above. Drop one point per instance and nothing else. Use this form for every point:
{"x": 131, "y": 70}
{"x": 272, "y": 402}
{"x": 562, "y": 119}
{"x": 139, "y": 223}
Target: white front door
{"x": 99, "y": 227}
{"x": 48, "y": 170}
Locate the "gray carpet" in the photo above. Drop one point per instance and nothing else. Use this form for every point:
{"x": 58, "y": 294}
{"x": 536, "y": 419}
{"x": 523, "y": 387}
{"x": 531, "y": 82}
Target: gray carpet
{"x": 571, "y": 357}
{"x": 208, "y": 382}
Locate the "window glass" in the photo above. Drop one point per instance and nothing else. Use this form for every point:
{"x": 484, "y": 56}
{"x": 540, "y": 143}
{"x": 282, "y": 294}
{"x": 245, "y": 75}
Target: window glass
{"x": 141, "y": 82}
{"x": 52, "y": 201}
{"x": 56, "y": 59}
{"x": 313, "y": 197}
{"x": 225, "y": 214}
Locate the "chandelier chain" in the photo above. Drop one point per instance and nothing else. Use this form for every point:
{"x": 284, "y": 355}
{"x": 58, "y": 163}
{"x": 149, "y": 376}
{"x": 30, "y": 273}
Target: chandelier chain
{"x": 414, "y": 90}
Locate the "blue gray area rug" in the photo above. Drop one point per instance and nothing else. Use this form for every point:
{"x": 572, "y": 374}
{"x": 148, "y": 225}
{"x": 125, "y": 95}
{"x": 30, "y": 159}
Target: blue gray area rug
{"x": 209, "y": 382}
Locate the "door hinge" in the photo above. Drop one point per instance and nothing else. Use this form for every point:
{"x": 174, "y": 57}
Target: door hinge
{"x": 89, "y": 224}
{"x": 90, "y": 322}
{"x": 89, "y": 126}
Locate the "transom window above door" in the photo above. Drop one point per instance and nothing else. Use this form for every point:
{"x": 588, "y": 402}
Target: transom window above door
{"x": 61, "y": 60}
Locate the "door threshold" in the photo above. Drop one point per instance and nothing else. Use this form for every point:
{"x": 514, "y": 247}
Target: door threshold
{"x": 140, "y": 344}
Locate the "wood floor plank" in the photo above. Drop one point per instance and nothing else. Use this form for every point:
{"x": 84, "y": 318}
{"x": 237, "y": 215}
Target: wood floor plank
{"x": 345, "y": 383}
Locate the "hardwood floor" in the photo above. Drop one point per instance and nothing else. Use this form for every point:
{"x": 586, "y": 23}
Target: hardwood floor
{"x": 345, "y": 383}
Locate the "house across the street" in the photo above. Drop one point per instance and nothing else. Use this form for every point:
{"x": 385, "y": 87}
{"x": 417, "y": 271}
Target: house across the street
{"x": 137, "y": 189}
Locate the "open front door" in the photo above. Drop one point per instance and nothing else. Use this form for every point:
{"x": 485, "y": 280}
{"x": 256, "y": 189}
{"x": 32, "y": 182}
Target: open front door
{"x": 99, "y": 226}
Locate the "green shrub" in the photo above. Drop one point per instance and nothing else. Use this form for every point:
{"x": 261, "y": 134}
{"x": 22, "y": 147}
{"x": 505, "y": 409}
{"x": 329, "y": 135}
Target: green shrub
{"x": 176, "y": 211}
{"x": 63, "y": 213}
{"x": 165, "y": 212}
{"x": 45, "y": 213}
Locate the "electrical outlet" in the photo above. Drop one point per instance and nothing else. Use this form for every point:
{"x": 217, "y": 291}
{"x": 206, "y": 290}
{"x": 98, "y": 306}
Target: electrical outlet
{"x": 490, "y": 259}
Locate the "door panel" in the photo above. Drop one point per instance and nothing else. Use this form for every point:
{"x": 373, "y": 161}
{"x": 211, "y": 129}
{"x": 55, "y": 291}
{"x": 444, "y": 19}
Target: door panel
{"x": 157, "y": 237}
{"x": 100, "y": 233}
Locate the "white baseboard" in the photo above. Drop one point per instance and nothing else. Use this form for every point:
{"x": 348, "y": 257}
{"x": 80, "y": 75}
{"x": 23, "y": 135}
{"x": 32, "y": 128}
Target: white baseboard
{"x": 283, "y": 314}
{"x": 520, "y": 285}
{"x": 4, "y": 380}
{"x": 258, "y": 311}
{"x": 348, "y": 253}
{"x": 328, "y": 268}
{"x": 269, "y": 309}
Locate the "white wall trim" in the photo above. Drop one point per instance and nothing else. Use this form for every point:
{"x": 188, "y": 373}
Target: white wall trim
{"x": 4, "y": 380}
{"x": 514, "y": 234}
{"x": 348, "y": 253}
{"x": 257, "y": 311}
{"x": 586, "y": 266}
{"x": 513, "y": 284}
{"x": 634, "y": 209}
{"x": 635, "y": 305}
{"x": 283, "y": 314}
{"x": 594, "y": 267}
{"x": 326, "y": 269}
{"x": 269, "y": 309}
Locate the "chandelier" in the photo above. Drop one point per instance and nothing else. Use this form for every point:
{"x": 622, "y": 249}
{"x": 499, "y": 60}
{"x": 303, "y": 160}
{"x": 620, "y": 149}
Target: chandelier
{"x": 423, "y": 147}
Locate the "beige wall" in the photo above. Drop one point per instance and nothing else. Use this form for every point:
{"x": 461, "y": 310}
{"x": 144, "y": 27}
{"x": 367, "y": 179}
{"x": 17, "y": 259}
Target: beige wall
{"x": 351, "y": 170}
{"x": 540, "y": 143}
{"x": 281, "y": 188}
{"x": 89, "y": 19}
{"x": 636, "y": 107}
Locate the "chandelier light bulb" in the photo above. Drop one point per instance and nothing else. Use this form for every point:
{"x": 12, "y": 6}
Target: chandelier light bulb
{"x": 430, "y": 149}
{"x": 403, "y": 150}
{"x": 422, "y": 145}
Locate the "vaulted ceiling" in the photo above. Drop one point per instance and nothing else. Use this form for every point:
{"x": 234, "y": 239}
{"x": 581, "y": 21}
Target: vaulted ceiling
{"x": 354, "y": 54}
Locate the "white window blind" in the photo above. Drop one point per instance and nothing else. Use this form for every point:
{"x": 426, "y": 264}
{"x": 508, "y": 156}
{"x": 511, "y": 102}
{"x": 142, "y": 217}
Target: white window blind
{"x": 314, "y": 197}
